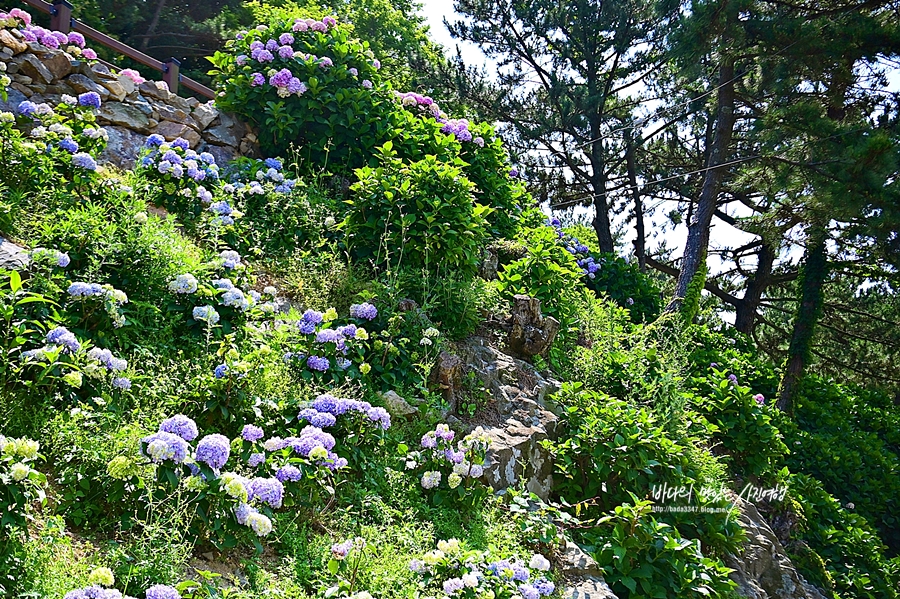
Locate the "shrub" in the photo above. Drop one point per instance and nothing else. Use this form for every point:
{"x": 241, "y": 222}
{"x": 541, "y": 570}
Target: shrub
{"x": 644, "y": 558}
{"x": 309, "y": 84}
{"x": 420, "y": 214}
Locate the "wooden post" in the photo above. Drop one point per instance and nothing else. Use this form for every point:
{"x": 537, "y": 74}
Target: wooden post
{"x": 170, "y": 74}
{"x": 61, "y": 16}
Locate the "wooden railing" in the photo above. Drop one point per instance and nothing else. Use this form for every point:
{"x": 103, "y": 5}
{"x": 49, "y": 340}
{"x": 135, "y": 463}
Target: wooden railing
{"x": 61, "y": 20}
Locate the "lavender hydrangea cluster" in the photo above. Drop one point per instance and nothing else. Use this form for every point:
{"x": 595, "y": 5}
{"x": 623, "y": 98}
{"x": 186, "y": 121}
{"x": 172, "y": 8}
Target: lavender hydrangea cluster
{"x": 177, "y": 167}
{"x": 261, "y": 177}
{"x": 578, "y": 249}
{"x": 464, "y": 461}
{"x": 63, "y": 337}
{"x": 50, "y": 257}
{"x": 213, "y": 450}
{"x": 72, "y": 42}
{"x": 364, "y": 311}
{"x": 113, "y": 299}
{"x": 455, "y": 571}
{"x": 324, "y": 410}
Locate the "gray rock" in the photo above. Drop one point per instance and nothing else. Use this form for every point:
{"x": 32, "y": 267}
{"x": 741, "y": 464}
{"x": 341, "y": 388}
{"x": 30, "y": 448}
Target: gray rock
{"x": 124, "y": 115}
{"x": 516, "y": 453}
{"x": 588, "y": 589}
{"x": 573, "y": 562}
{"x": 58, "y": 63}
{"x": 116, "y": 90}
{"x": 127, "y": 84}
{"x": 155, "y": 89}
{"x": 763, "y": 569}
{"x": 143, "y": 105}
{"x": 31, "y": 65}
{"x": 397, "y": 406}
{"x": 222, "y": 154}
{"x": 204, "y": 114}
{"x": 82, "y": 84}
{"x": 23, "y": 90}
{"x": 171, "y": 130}
{"x": 123, "y": 146}
{"x": 222, "y": 135}
{"x": 12, "y": 256}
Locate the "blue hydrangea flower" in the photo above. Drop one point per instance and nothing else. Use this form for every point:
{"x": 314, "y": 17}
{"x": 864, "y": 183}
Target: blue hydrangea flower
{"x": 318, "y": 363}
{"x": 85, "y": 161}
{"x": 256, "y": 459}
{"x": 155, "y": 140}
{"x": 62, "y": 336}
{"x": 273, "y": 163}
{"x": 544, "y": 587}
{"x": 268, "y": 490}
{"x": 161, "y": 591}
{"x": 220, "y": 371}
{"x": 213, "y": 450}
{"x": 329, "y": 336}
{"x": 164, "y": 446}
{"x": 121, "y": 382}
{"x": 242, "y": 512}
{"x": 251, "y": 433}
{"x": 288, "y": 473}
{"x": 230, "y": 259}
{"x": 180, "y": 425}
{"x": 313, "y": 317}
{"x": 366, "y": 311}
{"x": 69, "y": 145}
{"x": 89, "y": 99}
{"x": 182, "y": 143}
{"x": 381, "y": 416}
{"x": 306, "y": 328}
{"x": 26, "y": 108}
{"x": 205, "y": 314}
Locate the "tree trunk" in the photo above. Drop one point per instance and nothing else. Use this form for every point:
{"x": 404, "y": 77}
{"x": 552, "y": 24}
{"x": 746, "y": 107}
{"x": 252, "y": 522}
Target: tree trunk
{"x": 151, "y": 29}
{"x": 598, "y": 185}
{"x": 745, "y": 318}
{"x": 815, "y": 269}
{"x": 640, "y": 242}
{"x": 695, "y": 249}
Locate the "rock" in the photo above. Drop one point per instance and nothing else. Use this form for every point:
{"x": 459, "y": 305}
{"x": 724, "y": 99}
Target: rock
{"x": 589, "y": 589}
{"x": 12, "y": 68}
{"x": 124, "y": 115}
{"x": 82, "y": 84}
{"x": 58, "y": 63}
{"x": 116, "y": 90}
{"x": 123, "y": 146}
{"x": 530, "y": 334}
{"x": 407, "y": 305}
{"x": 98, "y": 68}
{"x": 573, "y": 562}
{"x": 155, "y": 89}
{"x": 222, "y": 135}
{"x": 23, "y": 90}
{"x": 222, "y": 154}
{"x": 505, "y": 378}
{"x": 23, "y": 79}
{"x": 487, "y": 270}
{"x": 8, "y": 40}
{"x": 142, "y": 105}
{"x": 192, "y": 102}
{"x": 12, "y": 256}
{"x": 446, "y": 378}
{"x": 204, "y": 114}
{"x": 32, "y": 66}
{"x": 763, "y": 569}
{"x": 13, "y": 98}
{"x": 171, "y": 130}
{"x": 397, "y": 406}
{"x": 127, "y": 84}
{"x": 516, "y": 453}
{"x": 176, "y": 115}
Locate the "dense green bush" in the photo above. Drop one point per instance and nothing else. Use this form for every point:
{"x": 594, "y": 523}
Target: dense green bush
{"x": 420, "y": 214}
{"x": 307, "y": 84}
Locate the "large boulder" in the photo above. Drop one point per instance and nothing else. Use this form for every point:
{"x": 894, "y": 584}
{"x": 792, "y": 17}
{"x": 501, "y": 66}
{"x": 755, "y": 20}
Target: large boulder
{"x": 763, "y": 570}
{"x": 124, "y": 114}
{"x": 583, "y": 577}
{"x": 123, "y": 146}
{"x": 12, "y": 256}
{"x": 530, "y": 332}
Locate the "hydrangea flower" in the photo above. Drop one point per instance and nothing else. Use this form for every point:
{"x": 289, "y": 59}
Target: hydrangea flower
{"x": 161, "y": 591}
{"x": 162, "y": 446}
{"x": 259, "y": 523}
{"x": 318, "y": 363}
{"x": 539, "y": 562}
{"x": 62, "y": 336}
{"x": 221, "y": 371}
{"x": 256, "y": 459}
{"x": 180, "y": 425}
{"x": 288, "y": 473}
{"x": 205, "y": 314}
{"x": 760, "y": 398}
{"x": 213, "y": 450}
{"x": 431, "y": 479}
{"x": 230, "y": 259}
{"x": 184, "y": 284}
{"x": 69, "y": 145}
{"x": 251, "y": 433}
{"x": 89, "y": 99}
{"x": 121, "y": 382}
{"x": 365, "y": 311}
{"x": 85, "y": 161}
{"x": 268, "y": 490}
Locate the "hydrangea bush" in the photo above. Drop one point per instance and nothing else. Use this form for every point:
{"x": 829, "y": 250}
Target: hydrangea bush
{"x": 452, "y": 571}
{"x": 306, "y": 83}
{"x": 21, "y": 485}
{"x": 73, "y": 42}
{"x": 176, "y": 177}
{"x": 448, "y": 472}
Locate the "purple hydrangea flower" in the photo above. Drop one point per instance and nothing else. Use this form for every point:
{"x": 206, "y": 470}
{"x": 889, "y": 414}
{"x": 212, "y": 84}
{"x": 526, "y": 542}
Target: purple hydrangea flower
{"x": 26, "y": 108}
{"x": 182, "y": 143}
{"x": 268, "y": 490}
{"x": 256, "y": 459}
{"x": 318, "y": 363}
{"x": 69, "y": 145}
{"x": 367, "y": 84}
{"x": 760, "y": 398}
{"x": 155, "y": 140}
{"x": 257, "y": 79}
{"x": 213, "y": 450}
{"x": 288, "y": 473}
{"x": 242, "y": 512}
{"x": 164, "y": 446}
{"x": 252, "y": 433}
{"x": 85, "y": 161}
{"x": 381, "y": 416}
{"x": 62, "y": 336}
{"x": 733, "y": 378}
{"x": 161, "y": 591}
{"x": 180, "y": 425}
{"x": 286, "y": 39}
{"x": 89, "y": 99}
{"x": 365, "y": 311}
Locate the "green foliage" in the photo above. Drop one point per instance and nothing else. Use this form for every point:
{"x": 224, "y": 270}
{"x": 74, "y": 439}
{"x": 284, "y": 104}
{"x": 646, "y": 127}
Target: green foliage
{"x": 847, "y": 544}
{"x": 337, "y": 118}
{"x": 420, "y": 214}
{"x": 624, "y": 283}
{"x": 643, "y": 558}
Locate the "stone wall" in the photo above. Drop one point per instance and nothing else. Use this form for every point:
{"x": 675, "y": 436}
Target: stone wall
{"x": 129, "y": 112}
